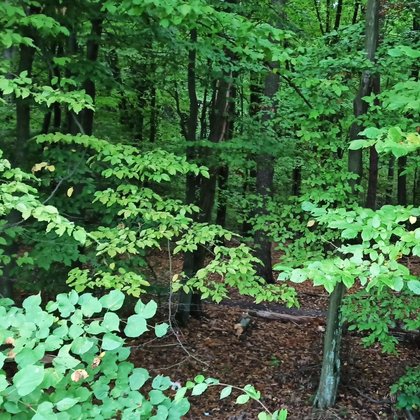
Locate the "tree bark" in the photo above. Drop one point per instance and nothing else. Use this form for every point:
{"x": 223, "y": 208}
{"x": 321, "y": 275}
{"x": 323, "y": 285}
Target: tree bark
{"x": 201, "y": 190}
{"x": 330, "y": 372}
{"x": 264, "y": 183}
{"x": 390, "y": 181}
{"x": 23, "y": 111}
{"x": 338, "y": 15}
{"x": 402, "y": 182}
{"x": 89, "y": 85}
{"x": 222, "y": 202}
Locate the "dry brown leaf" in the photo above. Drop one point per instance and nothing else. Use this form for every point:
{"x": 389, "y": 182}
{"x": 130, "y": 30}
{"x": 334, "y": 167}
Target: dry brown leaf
{"x": 10, "y": 340}
{"x": 78, "y": 375}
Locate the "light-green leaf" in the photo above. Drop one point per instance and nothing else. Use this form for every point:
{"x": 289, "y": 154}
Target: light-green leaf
{"x": 225, "y": 392}
{"x": 161, "y": 329}
{"x": 66, "y": 403}
{"x": 28, "y": 379}
{"x": 113, "y": 300}
{"x": 136, "y": 325}
{"x": 414, "y": 286}
{"x": 242, "y": 399}
{"x": 199, "y": 389}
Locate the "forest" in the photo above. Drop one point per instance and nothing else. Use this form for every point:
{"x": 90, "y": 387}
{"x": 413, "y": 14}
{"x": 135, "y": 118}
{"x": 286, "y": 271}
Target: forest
{"x": 209, "y": 209}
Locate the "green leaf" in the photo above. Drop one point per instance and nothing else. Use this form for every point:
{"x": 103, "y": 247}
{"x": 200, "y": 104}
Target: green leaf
{"x": 161, "y": 329}
{"x": 111, "y": 321}
{"x": 242, "y": 399}
{"x": 371, "y": 133}
{"x": 225, "y": 392}
{"x": 357, "y": 144}
{"x": 376, "y": 221}
{"x": 298, "y": 276}
{"x": 81, "y": 345}
{"x": 199, "y": 389}
{"x": 32, "y": 301}
{"x": 161, "y": 382}
{"x": 3, "y": 382}
{"x": 138, "y": 378}
{"x": 111, "y": 342}
{"x": 414, "y": 286}
{"x": 113, "y": 300}
{"x": 146, "y": 311}
{"x": 156, "y": 396}
{"x": 28, "y": 379}
{"x": 136, "y": 326}
{"x": 80, "y": 235}
{"x": 66, "y": 403}
{"x": 89, "y": 304}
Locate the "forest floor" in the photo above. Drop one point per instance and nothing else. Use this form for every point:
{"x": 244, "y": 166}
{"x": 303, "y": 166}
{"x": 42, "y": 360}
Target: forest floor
{"x": 281, "y": 359}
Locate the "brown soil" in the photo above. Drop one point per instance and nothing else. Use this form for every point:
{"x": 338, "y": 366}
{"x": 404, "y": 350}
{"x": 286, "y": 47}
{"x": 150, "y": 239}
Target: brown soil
{"x": 281, "y": 359}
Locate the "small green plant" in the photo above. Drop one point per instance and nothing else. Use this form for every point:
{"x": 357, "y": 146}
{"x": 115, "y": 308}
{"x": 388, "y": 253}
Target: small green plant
{"x": 407, "y": 390}
{"x": 380, "y": 310}
{"x": 69, "y": 361}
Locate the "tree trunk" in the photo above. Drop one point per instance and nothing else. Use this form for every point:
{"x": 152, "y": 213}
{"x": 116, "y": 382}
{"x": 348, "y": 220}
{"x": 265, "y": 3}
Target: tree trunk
{"x": 330, "y": 372}
{"x": 416, "y": 188}
{"x": 200, "y": 189}
{"x": 373, "y": 179}
{"x": 89, "y": 85}
{"x": 153, "y": 116}
{"x": 189, "y": 128}
{"x": 264, "y": 183}
{"x": 23, "y": 112}
{"x": 222, "y": 202}
{"x": 402, "y": 182}
{"x": 296, "y": 180}
{"x": 338, "y": 15}
{"x": 390, "y": 181}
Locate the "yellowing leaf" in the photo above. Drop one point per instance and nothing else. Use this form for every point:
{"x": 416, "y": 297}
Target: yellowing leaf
{"x": 112, "y": 266}
{"x": 310, "y": 223}
{"x": 70, "y": 192}
{"x": 38, "y": 166}
{"x": 51, "y": 168}
{"x": 412, "y": 219}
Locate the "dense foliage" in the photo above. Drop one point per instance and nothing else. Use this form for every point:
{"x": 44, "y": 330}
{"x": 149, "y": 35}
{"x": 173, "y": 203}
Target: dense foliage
{"x": 211, "y": 130}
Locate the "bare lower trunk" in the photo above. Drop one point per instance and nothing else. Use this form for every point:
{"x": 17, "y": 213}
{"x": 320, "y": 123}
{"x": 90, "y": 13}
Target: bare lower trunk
{"x": 330, "y": 373}
{"x": 402, "y": 182}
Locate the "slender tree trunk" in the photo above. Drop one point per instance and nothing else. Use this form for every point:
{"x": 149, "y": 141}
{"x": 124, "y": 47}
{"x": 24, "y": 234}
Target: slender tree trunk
{"x": 89, "y": 85}
{"x": 318, "y": 16}
{"x": 23, "y": 112}
{"x": 189, "y": 128}
{"x": 71, "y": 127}
{"x": 338, "y": 15}
{"x": 390, "y": 180}
{"x": 222, "y": 199}
{"x": 327, "y": 16}
{"x": 355, "y": 12}
{"x": 330, "y": 372}
{"x": 264, "y": 182}
{"x": 200, "y": 189}
{"x": 153, "y": 116}
{"x": 296, "y": 180}
{"x": 373, "y": 179}
{"x": 402, "y": 181}
{"x": 416, "y": 188}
